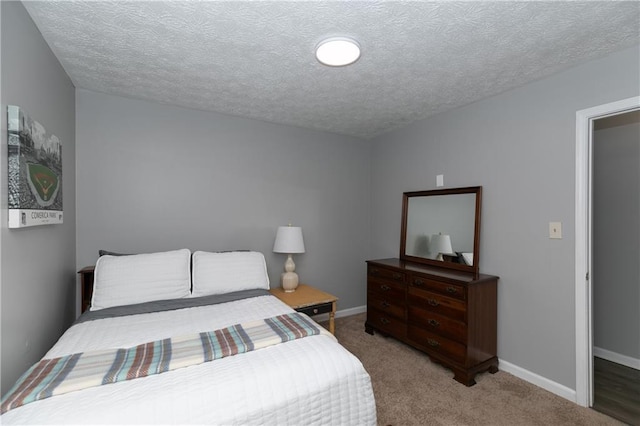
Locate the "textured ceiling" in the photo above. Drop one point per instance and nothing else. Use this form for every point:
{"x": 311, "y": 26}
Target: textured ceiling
{"x": 256, "y": 59}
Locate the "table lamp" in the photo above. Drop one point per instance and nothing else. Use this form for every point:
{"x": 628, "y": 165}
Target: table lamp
{"x": 440, "y": 244}
{"x": 289, "y": 241}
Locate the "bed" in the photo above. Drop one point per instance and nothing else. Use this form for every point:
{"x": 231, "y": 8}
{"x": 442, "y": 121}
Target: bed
{"x": 154, "y": 297}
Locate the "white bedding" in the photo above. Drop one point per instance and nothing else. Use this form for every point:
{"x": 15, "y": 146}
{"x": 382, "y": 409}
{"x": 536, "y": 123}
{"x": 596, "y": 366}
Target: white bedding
{"x": 313, "y": 380}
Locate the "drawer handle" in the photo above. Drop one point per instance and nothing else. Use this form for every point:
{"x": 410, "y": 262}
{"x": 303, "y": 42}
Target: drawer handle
{"x": 397, "y": 276}
{"x": 433, "y": 343}
{"x": 315, "y": 310}
{"x": 434, "y": 323}
{"x": 433, "y": 302}
{"x": 418, "y": 282}
{"x": 385, "y": 287}
{"x": 452, "y": 290}
{"x": 384, "y": 321}
{"x": 374, "y": 271}
{"x": 385, "y": 304}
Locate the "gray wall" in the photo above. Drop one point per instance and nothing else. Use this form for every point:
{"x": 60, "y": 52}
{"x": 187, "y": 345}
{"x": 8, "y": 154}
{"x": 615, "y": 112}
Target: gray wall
{"x": 38, "y": 264}
{"x": 520, "y": 146}
{"x": 155, "y": 177}
{"x": 616, "y": 237}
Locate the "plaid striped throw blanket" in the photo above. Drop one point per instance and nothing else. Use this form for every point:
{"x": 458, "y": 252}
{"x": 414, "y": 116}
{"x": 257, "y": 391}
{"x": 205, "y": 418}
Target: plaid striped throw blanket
{"x": 78, "y": 371}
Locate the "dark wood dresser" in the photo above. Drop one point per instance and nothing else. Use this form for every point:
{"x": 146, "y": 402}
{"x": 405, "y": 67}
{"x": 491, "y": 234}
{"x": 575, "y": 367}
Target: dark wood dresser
{"x": 449, "y": 315}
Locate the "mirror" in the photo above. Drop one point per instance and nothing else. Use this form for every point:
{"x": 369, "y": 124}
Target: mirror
{"x": 442, "y": 228}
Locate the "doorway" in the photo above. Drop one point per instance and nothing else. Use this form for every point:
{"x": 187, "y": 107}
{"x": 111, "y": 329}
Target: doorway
{"x": 585, "y": 123}
{"x": 615, "y": 267}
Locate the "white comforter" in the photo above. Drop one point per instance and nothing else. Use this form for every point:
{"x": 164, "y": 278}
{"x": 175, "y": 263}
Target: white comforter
{"x": 313, "y": 380}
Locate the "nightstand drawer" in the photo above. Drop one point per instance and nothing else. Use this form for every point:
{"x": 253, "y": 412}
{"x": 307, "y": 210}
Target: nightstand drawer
{"x": 324, "y": 308}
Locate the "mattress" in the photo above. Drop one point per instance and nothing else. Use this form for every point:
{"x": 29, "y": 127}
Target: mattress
{"x": 313, "y": 380}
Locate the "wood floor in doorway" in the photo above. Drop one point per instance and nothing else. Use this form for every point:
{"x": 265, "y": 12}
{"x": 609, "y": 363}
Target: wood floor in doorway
{"x": 616, "y": 391}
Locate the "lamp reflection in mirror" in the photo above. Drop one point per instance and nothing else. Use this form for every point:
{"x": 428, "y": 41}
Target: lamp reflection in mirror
{"x": 440, "y": 244}
{"x": 289, "y": 241}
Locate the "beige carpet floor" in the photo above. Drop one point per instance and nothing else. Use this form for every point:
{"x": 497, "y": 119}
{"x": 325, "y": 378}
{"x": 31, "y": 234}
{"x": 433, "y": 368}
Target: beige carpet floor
{"x": 411, "y": 390}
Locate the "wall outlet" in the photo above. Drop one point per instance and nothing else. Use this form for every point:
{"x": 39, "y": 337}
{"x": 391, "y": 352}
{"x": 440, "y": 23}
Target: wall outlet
{"x": 555, "y": 230}
{"x": 440, "y": 180}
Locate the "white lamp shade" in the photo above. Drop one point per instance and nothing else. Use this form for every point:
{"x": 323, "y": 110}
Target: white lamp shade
{"x": 440, "y": 244}
{"x": 289, "y": 240}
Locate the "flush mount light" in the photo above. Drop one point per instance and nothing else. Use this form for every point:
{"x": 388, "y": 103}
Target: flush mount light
{"x": 338, "y": 51}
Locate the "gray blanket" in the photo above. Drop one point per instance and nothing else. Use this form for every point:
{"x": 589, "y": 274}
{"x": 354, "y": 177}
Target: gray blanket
{"x": 169, "y": 305}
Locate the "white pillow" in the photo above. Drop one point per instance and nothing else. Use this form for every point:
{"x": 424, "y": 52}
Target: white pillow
{"x": 138, "y": 278}
{"x": 218, "y": 273}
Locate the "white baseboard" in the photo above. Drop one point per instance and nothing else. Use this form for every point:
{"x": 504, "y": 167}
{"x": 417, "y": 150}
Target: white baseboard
{"x": 617, "y": 358}
{"x": 351, "y": 311}
{"x": 342, "y": 313}
{"x": 538, "y": 380}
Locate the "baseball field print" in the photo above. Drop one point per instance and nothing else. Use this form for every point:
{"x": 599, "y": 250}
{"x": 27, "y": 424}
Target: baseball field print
{"x": 35, "y": 172}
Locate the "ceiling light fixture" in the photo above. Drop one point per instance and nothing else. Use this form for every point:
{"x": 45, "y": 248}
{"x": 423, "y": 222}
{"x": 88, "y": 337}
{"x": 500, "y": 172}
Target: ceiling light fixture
{"x": 338, "y": 51}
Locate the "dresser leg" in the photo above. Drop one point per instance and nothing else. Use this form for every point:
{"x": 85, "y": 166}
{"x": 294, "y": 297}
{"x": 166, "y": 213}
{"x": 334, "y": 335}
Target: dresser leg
{"x": 491, "y": 365}
{"x": 468, "y": 377}
{"x": 465, "y": 378}
{"x": 368, "y": 328}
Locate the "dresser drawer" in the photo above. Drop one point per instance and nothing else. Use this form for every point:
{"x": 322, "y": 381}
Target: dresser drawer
{"x": 444, "y": 326}
{"x": 387, "y": 323}
{"x": 389, "y": 290}
{"x": 448, "y": 289}
{"x": 385, "y": 274}
{"x": 385, "y": 304}
{"x": 437, "y": 303}
{"x": 432, "y": 342}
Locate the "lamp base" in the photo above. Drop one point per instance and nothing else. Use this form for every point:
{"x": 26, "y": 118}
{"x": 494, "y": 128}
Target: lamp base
{"x": 289, "y": 281}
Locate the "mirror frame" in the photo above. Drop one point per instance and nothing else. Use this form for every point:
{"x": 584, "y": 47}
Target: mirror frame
{"x": 477, "y": 190}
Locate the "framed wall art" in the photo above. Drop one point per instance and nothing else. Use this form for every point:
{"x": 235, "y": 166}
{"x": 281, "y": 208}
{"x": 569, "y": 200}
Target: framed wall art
{"x": 35, "y": 172}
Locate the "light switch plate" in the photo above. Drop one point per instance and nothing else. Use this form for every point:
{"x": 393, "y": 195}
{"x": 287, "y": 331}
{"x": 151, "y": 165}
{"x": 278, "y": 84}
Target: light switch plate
{"x": 440, "y": 180}
{"x": 555, "y": 230}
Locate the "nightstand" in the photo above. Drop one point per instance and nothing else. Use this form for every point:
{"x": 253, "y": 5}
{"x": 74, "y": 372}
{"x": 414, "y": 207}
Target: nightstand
{"x": 310, "y": 301}
{"x": 86, "y": 287}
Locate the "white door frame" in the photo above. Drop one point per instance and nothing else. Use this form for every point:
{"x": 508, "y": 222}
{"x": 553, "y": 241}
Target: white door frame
{"x": 584, "y": 164}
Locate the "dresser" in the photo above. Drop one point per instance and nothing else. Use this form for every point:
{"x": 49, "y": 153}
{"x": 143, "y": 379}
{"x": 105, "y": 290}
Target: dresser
{"x": 449, "y": 315}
